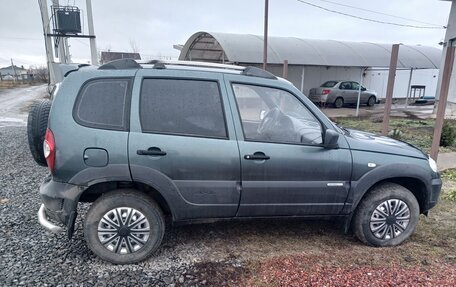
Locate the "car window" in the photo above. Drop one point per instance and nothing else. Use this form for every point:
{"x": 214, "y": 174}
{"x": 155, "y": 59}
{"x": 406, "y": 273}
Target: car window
{"x": 345, "y": 86}
{"x": 275, "y": 115}
{"x": 329, "y": 84}
{"x": 355, "y": 86}
{"x": 182, "y": 107}
{"x": 104, "y": 103}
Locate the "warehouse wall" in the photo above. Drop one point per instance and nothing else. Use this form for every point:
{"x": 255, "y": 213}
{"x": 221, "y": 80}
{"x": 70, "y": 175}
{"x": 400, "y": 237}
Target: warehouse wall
{"x": 314, "y": 76}
{"x": 377, "y": 80}
{"x": 374, "y": 79}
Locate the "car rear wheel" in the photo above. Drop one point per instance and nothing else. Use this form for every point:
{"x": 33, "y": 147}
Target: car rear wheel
{"x": 338, "y": 103}
{"x": 371, "y": 101}
{"x": 36, "y": 129}
{"x": 387, "y": 216}
{"x": 124, "y": 226}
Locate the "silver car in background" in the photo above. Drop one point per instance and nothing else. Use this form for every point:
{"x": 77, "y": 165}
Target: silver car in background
{"x": 339, "y": 93}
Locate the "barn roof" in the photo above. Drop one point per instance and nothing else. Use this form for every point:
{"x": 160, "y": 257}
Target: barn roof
{"x": 247, "y": 48}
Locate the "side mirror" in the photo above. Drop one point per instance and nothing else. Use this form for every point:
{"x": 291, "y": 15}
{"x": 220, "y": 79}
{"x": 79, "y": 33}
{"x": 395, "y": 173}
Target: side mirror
{"x": 331, "y": 139}
{"x": 363, "y": 89}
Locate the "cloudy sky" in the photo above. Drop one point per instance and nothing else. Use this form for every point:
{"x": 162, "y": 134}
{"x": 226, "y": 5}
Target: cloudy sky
{"x": 154, "y": 26}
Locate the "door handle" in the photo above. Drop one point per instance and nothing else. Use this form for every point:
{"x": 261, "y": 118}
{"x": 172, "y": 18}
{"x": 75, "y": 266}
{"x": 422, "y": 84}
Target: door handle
{"x": 155, "y": 151}
{"x": 257, "y": 156}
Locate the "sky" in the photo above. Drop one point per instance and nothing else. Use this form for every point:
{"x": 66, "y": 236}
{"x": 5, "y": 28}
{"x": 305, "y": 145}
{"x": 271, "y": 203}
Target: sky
{"x": 155, "y": 26}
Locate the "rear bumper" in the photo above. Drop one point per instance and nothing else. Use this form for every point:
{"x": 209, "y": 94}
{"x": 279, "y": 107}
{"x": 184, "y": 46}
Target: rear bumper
{"x": 42, "y": 219}
{"x": 59, "y": 204}
{"x": 316, "y": 98}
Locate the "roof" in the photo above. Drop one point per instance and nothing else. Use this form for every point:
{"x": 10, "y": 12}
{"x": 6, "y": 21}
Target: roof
{"x": 247, "y": 48}
{"x": 15, "y": 67}
{"x": 111, "y": 56}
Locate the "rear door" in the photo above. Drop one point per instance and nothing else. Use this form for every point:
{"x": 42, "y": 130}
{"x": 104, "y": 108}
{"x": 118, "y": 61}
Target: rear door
{"x": 182, "y": 142}
{"x": 349, "y": 95}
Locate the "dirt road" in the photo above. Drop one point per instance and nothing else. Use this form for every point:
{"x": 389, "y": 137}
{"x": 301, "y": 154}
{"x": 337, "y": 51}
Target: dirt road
{"x": 14, "y": 104}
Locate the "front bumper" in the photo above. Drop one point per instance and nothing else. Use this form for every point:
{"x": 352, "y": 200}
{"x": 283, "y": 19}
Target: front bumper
{"x": 60, "y": 202}
{"x": 436, "y": 188}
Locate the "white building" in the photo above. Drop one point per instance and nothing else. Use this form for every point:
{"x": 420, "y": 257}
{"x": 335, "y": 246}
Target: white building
{"x": 312, "y": 62}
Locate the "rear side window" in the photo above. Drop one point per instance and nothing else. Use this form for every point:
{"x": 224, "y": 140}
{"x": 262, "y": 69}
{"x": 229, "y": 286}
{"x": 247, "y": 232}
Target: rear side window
{"x": 104, "y": 103}
{"x": 329, "y": 84}
{"x": 182, "y": 107}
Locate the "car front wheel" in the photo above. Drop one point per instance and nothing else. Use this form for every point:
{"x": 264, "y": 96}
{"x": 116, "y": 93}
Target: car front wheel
{"x": 387, "y": 216}
{"x": 124, "y": 226}
{"x": 371, "y": 101}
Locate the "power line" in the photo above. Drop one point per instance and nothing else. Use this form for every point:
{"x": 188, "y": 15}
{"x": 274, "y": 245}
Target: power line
{"x": 368, "y": 19}
{"x": 21, "y": 38}
{"x": 381, "y": 13}
{"x": 82, "y": 42}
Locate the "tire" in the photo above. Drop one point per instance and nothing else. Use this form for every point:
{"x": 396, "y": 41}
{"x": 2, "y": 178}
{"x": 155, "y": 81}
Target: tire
{"x": 108, "y": 205}
{"x": 365, "y": 229}
{"x": 371, "y": 101}
{"x": 36, "y": 129}
{"x": 338, "y": 103}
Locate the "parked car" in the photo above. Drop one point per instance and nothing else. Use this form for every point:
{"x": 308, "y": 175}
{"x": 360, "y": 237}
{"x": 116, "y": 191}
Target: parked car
{"x": 340, "y": 93}
{"x": 195, "y": 141}
{"x": 425, "y": 100}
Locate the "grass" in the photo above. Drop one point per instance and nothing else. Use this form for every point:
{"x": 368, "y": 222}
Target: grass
{"x": 417, "y": 132}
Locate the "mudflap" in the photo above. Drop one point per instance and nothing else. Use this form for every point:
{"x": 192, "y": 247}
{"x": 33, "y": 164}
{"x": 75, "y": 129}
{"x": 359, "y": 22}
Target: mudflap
{"x": 345, "y": 223}
{"x": 71, "y": 223}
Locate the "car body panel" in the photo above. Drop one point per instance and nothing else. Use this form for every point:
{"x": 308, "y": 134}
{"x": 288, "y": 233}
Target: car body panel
{"x": 72, "y": 139}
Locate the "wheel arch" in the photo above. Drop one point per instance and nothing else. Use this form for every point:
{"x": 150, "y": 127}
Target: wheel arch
{"x": 370, "y": 96}
{"x": 94, "y": 191}
{"x": 415, "y": 185}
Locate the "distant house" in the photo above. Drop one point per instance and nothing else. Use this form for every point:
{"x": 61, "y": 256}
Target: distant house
{"x": 111, "y": 56}
{"x": 11, "y": 72}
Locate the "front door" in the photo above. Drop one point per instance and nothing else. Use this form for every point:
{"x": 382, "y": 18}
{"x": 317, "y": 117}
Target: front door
{"x": 182, "y": 143}
{"x": 285, "y": 169}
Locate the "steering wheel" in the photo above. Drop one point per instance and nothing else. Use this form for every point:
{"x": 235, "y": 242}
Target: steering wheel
{"x": 268, "y": 121}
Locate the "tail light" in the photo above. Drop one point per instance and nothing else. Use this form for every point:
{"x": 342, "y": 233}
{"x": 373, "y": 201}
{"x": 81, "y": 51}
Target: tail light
{"x": 326, "y": 91}
{"x": 49, "y": 149}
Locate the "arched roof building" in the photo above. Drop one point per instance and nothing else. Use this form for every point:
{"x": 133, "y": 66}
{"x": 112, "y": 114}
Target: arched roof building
{"x": 247, "y": 48}
{"x": 311, "y": 62}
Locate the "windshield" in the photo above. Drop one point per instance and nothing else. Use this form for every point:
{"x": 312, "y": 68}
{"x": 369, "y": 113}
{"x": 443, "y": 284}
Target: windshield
{"x": 329, "y": 84}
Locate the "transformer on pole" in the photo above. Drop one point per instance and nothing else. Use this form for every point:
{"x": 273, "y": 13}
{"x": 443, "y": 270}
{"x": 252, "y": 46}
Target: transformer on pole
{"x": 66, "y": 23}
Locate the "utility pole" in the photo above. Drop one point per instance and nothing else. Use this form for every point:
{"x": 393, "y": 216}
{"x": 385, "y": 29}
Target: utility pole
{"x": 390, "y": 88}
{"x": 445, "y": 86}
{"x": 93, "y": 45}
{"x": 14, "y": 70}
{"x": 265, "y": 36}
{"x": 47, "y": 41}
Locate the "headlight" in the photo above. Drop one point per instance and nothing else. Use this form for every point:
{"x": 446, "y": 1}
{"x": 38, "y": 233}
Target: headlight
{"x": 432, "y": 164}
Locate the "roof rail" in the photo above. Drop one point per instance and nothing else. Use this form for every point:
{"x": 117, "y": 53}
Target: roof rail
{"x": 121, "y": 64}
{"x": 257, "y": 72}
{"x": 159, "y": 64}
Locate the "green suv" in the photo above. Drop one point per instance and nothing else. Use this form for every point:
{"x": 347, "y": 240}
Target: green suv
{"x": 195, "y": 141}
